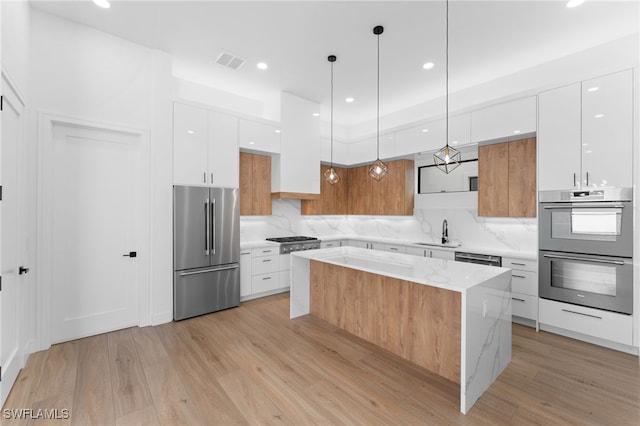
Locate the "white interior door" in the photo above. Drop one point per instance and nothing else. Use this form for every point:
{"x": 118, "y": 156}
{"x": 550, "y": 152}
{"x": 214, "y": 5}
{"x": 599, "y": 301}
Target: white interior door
{"x": 11, "y": 357}
{"x": 95, "y": 223}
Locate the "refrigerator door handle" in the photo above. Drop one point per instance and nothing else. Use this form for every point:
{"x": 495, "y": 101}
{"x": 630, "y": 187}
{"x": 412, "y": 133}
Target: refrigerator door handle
{"x": 213, "y": 226}
{"x": 206, "y": 227}
{"x": 205, "y": 271}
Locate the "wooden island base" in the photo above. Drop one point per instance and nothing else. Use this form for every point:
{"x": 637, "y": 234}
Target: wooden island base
{"x": 417, "y": 322}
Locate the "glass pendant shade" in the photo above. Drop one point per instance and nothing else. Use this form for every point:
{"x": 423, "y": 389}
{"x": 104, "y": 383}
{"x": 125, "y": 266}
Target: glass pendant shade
{"x": 447, "y": 159}
{"x": 331, "y": 176}
{"x": 378, "y": 170}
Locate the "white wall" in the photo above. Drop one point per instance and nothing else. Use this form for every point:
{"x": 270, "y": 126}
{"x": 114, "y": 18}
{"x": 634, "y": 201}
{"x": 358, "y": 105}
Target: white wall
{"x": 79, "y": 72}
{"x": 15, "y": 42}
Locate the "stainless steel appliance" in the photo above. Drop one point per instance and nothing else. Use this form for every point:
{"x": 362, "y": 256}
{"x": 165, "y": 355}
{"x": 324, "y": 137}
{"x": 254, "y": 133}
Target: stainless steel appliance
{"x": 480, "y": 259}
{"x": 586, "y": 248}
{"x": 296, "y": 243}
{"x": 598, "y": 221}
{"x": 206, "y": 250}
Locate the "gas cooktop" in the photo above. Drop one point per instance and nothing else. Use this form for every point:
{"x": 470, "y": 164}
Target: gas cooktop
{"x": 295, "y": 239}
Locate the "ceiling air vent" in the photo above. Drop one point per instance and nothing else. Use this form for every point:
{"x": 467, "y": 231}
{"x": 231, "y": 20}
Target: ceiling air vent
{"x": 229, "y": 60}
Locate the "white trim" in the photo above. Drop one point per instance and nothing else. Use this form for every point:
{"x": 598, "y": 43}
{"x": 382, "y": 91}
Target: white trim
{"x": 46, "y": 121}
{"x": 13, "y": 86}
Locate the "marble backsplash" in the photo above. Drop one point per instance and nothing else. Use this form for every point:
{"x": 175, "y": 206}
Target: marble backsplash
{"x": 465, "y": 227}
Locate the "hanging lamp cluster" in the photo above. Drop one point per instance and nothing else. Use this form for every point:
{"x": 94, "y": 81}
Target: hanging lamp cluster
{"x": 447, "y": 158}
{"x": 331, "y": 175}
{"x": 378, "y": 169}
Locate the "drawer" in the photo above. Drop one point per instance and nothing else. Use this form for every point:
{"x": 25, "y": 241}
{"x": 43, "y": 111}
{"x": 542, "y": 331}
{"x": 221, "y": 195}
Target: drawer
{"x": 265, "y": 265}
{"x": 523, "y": 264}
{"x": 328, "y": 244}
{"x": 394, "y": 248}
{"x": 524, "y": 282}
{"x": 592, "y": 322}
{"x": 265, "y": 251}
{"x": 524, "y": 305}
{"x": 265, "y": 282}
{"x": 441, "y": 254}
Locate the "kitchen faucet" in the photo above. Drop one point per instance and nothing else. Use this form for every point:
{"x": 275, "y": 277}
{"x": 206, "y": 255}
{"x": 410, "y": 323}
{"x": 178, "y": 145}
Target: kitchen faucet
{"x": 445, "y": 232}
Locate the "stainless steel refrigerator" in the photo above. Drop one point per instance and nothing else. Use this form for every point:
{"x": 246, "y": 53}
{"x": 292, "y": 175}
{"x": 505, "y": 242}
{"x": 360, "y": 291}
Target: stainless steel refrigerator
{"x": 206, "y": 250}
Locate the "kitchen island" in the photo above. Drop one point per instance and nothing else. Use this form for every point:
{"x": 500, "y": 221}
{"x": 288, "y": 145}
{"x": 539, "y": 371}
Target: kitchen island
{"x": 449, "y": 317}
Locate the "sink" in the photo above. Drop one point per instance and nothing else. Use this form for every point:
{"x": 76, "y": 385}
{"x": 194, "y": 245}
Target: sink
{"x": 446, "y": 245}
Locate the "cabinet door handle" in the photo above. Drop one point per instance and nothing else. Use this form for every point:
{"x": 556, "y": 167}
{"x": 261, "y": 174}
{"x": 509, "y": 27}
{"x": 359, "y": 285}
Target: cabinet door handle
{"x": 580, "y": 313}
{"x": 393, "y": 248}
{"x": 518, "y": 276}
{"x": 266, "y": 251}
{"x": 204, "y": 177}
{"x": 518, "y": 300}
{"x": 518, "y": 264}
{"x": 211, "y": 177}
{"x": 587, "y": 178}
{"x": 266, "y": 278}
{"x": 575, "y": 184}
{"x": 266, "y": 260}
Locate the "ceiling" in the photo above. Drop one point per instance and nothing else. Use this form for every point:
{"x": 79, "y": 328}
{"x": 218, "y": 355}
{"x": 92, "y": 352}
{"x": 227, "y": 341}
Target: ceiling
{"x": 488, "y": 39}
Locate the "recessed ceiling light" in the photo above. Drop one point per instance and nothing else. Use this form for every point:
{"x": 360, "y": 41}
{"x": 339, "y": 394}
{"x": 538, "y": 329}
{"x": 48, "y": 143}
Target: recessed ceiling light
{"x": 516, "y": 131}
{"x": 191, "y": 132}
{"x": 589, "y": 151}
{"x": 252, "y": 143}
{"x": 574, "y": 3}
{"x": 592, "y": 89}
{"x": 349, "y": 100}
{"x": 262, "y": 66}
{"x": 316, "y": 114}
{"x": 425, "y": 130}
{"x": 102, "y": 3}
{"x": 454, "y": 143}
{"x": 277, "y": 130}
{"x": 598, "y": 116}
{"x": 427, "y": 65}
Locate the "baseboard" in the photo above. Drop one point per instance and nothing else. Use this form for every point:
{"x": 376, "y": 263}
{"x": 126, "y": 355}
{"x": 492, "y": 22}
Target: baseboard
{"x": 162, "y": 318}
{"x": 633, "y": 350}
{"x": 264, "y": 294}
{"x": 523, "y": 321}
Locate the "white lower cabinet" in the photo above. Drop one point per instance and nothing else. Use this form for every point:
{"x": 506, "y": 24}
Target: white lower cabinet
{"x": 359, "y": 244}
{"x": 524, "y": 287}
{"x": 429, "y": 252}
{"x": 333, "y": 243}
{"x": 245, "y": 273}
{"x": 394, "y": 248}
{"x": 263, "y": 271}
{"x": 588, "y": 321}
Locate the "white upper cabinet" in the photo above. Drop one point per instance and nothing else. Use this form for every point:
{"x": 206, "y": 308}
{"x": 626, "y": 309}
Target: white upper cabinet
{"x": 607, "y": 131}
{"x": 585, "y": 134}
{"x": 425, "y": 137}
{"x": 340, "y": 152}
{"x": 190, "y": 145}
{"x": 507, "y": 119}
{"x": 363, "y": 151}
{"x": 559, "y": 138}
{"x": 205, "y": 147}
{"x": 459, "y": 130}
{"x": 258, "y": 136}
{"x": 297, "y": 168}
{"x": 224, "y": 169}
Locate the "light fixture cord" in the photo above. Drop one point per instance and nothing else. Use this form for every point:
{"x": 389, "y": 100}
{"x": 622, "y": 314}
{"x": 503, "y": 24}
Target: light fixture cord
{"x": 378, "y": 103}
{"x": 447, "y": 77}
{"x": 331, "y": 132}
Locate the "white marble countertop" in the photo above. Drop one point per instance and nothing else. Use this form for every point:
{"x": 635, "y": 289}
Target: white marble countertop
{"x": 465, "y": 248}
{"x": 446, "y": 274}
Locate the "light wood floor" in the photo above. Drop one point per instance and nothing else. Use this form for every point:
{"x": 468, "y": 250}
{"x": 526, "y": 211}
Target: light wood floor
{"x": 252, "y": 365}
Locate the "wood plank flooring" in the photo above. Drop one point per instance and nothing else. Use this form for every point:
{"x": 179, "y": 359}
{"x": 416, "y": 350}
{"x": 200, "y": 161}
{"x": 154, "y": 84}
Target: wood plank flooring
{"x": 252, "y": 365}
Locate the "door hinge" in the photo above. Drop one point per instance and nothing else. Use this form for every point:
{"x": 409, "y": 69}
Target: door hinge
{"x": 1, "y": 102}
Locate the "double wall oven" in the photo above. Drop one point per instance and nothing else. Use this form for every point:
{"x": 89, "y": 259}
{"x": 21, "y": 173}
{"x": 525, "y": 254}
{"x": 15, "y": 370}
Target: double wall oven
{"x": 586, "y": 248}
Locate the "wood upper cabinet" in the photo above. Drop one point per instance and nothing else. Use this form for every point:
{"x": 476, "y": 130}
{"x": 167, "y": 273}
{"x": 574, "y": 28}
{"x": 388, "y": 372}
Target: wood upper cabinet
{"x": 522, "y": 178}
{"x": 358, "y": 194}
{"x": 255, "y": 184}
{"x": 333, "y": 198}
{"x": 507, "y": 179}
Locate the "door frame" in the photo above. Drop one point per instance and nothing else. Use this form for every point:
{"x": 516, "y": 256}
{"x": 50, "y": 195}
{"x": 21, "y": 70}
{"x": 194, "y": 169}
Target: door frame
{"x": 47, "y": 121}
{"x": 11, "y": 92}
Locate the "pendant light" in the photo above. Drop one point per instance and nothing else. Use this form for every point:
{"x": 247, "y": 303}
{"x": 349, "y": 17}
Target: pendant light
{"x": 378, "y": 169}
{"x": 447, "y": 159}
{"x": 331, "y": 175}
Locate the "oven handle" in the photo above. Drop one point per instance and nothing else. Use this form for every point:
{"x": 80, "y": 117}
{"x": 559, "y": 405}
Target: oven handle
{"x": 584, "y": 259}
{"x": 585, "y": 206}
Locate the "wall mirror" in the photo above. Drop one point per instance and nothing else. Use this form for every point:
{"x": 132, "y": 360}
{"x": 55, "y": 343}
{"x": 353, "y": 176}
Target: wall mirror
{"x": 433, "y": 180}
